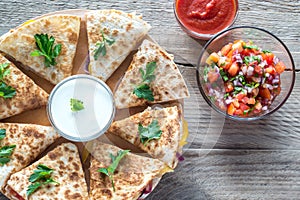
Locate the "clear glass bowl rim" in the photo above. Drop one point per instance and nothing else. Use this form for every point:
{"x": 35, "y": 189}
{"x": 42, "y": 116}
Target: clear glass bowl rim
{"x": 252, "y": 118}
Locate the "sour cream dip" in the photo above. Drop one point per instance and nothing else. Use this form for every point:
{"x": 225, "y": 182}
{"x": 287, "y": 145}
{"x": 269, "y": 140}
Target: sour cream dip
{"x": 88, "y": 123}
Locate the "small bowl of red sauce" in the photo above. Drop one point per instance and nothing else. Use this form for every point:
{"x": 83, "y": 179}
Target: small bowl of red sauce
{"x": 245, "y": 73}
{"x": 203, "y": 19}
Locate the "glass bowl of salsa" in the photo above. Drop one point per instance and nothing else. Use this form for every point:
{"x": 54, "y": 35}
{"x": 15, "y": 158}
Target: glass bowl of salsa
{"x": 203, "y": 19}
{"x": 245, "y": 73}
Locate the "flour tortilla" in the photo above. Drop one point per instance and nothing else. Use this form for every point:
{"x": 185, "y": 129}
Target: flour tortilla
{"x": 132, "y": 175}
{"x": 30, "y": 141}
{"x": 65, "y": 162}
{"x": 127, "y": 29}
{"x": 20, "y": 42}
{"x": 168, "y": 85}
{"x": 165, "y": 148}
{"x": 28, "y": 94}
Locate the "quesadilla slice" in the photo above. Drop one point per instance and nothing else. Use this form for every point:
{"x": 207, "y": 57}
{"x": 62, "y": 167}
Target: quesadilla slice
{"x": 46, "y": 45}
{"x": 27, "y": 141}
{"x": 112, "y": 35}
{"x": 18, "y": 92}
{"x": 65, "y": 173}
{"x": 156, "y": 131}
{"x": 151, "y": 78}
{"x": 131, "y": 176}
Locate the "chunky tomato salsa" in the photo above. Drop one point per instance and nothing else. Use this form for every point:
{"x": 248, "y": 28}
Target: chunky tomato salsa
{"x": 206, "y": 16}
{"x": 242, "y": 79}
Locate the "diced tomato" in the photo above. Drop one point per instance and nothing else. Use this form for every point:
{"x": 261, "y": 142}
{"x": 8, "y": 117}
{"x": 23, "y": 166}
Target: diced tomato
{"x": 238, "y": 46}
{"x": 233, "y": 70}
{"x": 245, "y": 100}
{"x": 212, "y": 76}
{"x": 251, "y": 101}
{"x": 213, "y": 58}
{"x": 238, "y": 112}
{"x": 246, "y": 52}
{"x": 228, "y": 63}
{"x": 258, "y": 70}
{"x": 240, "y": 96}
{"x": 270, "y": 70}
{"x": 228, "y": 87}
{"x": 258, "y": 106}
{"x": 236, "y": 103}
{"x": 277, "y": 90}
{"x": 268, "y": 57}
{"x": 280, "y": 67}
{"x": 231, "y": 109}
{"x": 265, "y": 93}
{"x": 244, "y": 107}
{"x": 225, "y": 50}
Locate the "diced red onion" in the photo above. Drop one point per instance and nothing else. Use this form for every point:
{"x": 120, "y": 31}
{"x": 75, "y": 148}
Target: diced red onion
{"x": 148, "y": 188}
{"x": 179, "y": 157}
{"x": 275, "y": 81}
{"x": 86, "y": 64}
{"x": 275, "y": 60}
{"x": 265, "y": 108}
{"x": 250, "y": 71}
{"x": 244, "y": 70}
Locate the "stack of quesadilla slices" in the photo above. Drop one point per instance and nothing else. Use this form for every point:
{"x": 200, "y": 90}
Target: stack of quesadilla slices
{"x": 167, "y": 147}
{"x": 132, "y": 176}
{"x": 29, "y": 140}
{"x": 112, "y": 35}
{"x": 165, "y": 82}
{"x": 27, "y": 94}
{"x": 67, "y": 173}
{"x": 19, "y": 44}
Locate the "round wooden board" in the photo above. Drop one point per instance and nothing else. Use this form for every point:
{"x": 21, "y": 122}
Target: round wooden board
{"x": 39, "y": 116}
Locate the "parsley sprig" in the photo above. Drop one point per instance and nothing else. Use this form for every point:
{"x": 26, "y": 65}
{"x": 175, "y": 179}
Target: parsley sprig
{"x": 110, "y": 170}
{"x": 76, "y": 105}
{"x": 6, "y": 91}
{"x": 143, "y": 90}
{"x": 6, "y": 151}
{"x": 2, "y": 133}
{"x": 41, "y": 176}
{"x": 149, "y": 133}
{"x": 46, "y": 48}
{"x": 101, "y": 46}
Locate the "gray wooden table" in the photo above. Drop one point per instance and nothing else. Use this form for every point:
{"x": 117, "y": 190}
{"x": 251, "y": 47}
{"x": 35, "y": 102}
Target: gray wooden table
{"x": 224, "y": 159}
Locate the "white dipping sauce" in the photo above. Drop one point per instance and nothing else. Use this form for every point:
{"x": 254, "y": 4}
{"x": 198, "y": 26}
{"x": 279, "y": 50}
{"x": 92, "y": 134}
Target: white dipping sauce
{"x": 86, "y": 124}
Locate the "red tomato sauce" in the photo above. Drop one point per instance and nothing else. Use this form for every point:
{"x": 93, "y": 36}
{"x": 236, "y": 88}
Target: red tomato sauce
{"x": 206, "y": 16}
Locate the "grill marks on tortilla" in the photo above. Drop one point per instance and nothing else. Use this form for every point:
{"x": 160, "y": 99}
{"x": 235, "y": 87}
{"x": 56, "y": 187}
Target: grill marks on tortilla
{"x": 126, "y": 29}
{"x": 167, "y": 146}
{"x": 28, "y": 94}
{"x": 66, "y": 163}
{"x": 168, "y": 85}
{"x": 65, "y": 30}
{"x": 132, "y": 175}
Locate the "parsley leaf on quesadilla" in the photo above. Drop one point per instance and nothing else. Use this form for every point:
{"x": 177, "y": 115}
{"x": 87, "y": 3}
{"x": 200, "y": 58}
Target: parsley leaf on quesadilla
{"x": 149, "y": 133}
{"x": 41, "y": 176}
{"x": 143, "y": 90}
{"x": 76, "y": 105}
{"x": 3, "y": 70}
{"x": 101, "y": 50}
{"x": 110, "y": 170}
{"x": 5, "y": 153}
{"x": 46, "y": 48}
{"x": 2, "y": 133}
{"x": 6, "y": 91}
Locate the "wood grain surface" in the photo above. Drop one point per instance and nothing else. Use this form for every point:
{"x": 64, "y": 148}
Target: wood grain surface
{"x": 224, "y": 159}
